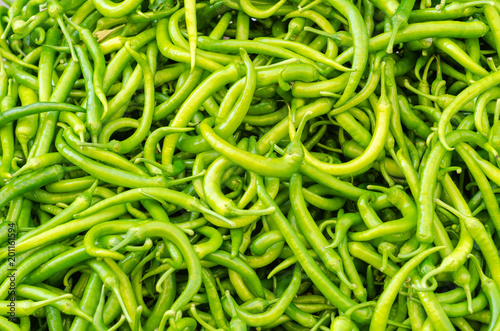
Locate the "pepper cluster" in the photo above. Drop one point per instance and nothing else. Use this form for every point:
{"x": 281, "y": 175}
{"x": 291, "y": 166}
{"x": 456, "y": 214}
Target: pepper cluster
{"x": 250, "y": 165}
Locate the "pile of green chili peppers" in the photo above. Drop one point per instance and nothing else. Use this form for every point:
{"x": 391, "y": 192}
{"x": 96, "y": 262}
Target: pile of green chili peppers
{"x": 250, "y": 165}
